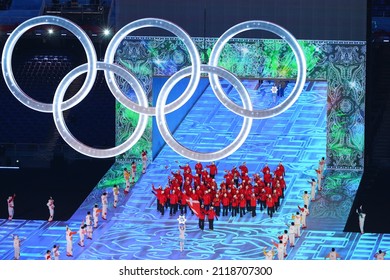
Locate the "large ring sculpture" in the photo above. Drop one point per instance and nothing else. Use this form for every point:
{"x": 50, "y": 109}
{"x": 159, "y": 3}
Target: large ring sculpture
{"x": 163, "y": 127}
{"x": 301, "y": 71}
{"x": 110, "y": 69}
{"x": 181, "y": 34}
{"x": 71, "y": 140}
{"x": 7, "y": 62}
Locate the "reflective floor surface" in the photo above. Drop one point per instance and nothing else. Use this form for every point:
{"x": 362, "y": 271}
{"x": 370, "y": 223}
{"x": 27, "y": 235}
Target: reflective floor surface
{"x": 135, "y": 230}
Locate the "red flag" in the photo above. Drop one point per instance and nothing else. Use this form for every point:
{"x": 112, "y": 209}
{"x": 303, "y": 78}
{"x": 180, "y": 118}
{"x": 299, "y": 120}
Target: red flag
{"x": 194, "y": 205}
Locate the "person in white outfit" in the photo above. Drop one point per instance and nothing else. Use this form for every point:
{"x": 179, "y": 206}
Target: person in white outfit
{"x": 88, "y": 222}
{"x": 48, "y": 255}
{"x": 96, "y": 212}
{"x": 333, "y": 255}
{"x": 380, "y": 255}
{"x": 11, "y": 210}
{"x": 50, "y": 205}
{"x": 126, "y": 175}
{"x": 306, "y": 198}
{"x": 182, "y": 231}
{"x": 69, "y": 241}
{"x": 284, "y": 239}
{"x": 56, "y": 252}
{"x": 269, "y": 255}
{"x": 82, "y": 232}
{"x": 104, "y": 205}
{"x": 17, "y": 242}
{"x": 297, "y": 222}
{"x": 115, "y": 192}
{"x": 291, "y": 234}
{"x": 362, "y": 218}
{"x": 280, "y": 248}
{"x": 304, "y": 213}
{"x": 321, "y": 165}
{"x": 319, "y": 178}
{"x": 133, "y": 172}
{"x": 144, "y": 156}
{"x": 313, "y": 185}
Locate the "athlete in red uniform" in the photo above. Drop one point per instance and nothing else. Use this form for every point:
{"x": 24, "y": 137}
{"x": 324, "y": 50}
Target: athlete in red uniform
{"x": 211, "y": 215}
{"x": 213, "y": 169}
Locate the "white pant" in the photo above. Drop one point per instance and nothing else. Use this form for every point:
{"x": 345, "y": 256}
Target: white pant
{"x": 281, "y": 253}
{"x": 298, "y": 229}
{"x": 10, "y": 212}
{"x": 362, "y": 217}
{"x": 291, "y": 238}
{"x": 95, "y": 220}
{"x": 304, "y": 220}
{"x": 104, "y": 210}
{"x": 51, "y": 213}
{"x": 69, "y": 247}
{"x": 17, "y": 253}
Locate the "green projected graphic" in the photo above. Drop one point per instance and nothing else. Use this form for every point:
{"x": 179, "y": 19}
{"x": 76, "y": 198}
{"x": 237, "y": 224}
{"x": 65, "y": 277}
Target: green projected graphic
{"x": 340, "y": 63}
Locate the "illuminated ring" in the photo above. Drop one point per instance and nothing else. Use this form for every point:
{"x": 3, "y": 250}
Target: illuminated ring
{"x": 7, "y": 63}
{"x": 67, "y": 135}
{"x": 177, "y": 147}
{"x": 298, "y": 53}
{"x": 182, "y": 35}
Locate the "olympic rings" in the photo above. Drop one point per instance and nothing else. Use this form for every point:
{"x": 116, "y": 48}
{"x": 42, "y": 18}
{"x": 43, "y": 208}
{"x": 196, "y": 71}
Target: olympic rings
{"x": 59, "y": 105}
{"x": 162, "y": 124}
{"x": 77, "y": 145}
{"x": 7, "y": 63}
{"x": 181, "y": 34}
{"x": 299, "y": 55}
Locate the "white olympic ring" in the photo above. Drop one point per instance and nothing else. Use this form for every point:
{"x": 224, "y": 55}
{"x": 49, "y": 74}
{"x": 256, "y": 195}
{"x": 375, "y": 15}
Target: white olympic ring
{"x": 7, "y": 62}
{"x": 181, "y": 34}
{"x": 301, "y": 71}
{"x": 142, "y": 108}
{"x": 71, "y": 140}
{"x": 162, "y": 124}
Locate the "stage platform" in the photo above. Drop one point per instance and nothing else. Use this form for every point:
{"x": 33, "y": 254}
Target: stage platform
{"x": 135, "y": 230}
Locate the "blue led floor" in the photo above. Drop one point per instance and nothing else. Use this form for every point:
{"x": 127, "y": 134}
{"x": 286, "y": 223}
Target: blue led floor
{"x": 135, "y": 230}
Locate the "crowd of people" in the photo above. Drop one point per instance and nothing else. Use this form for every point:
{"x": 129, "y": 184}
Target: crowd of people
{"x": 91, "y": 221}
{"x": 238, "y": 194}
{"x": 196, "y": 191}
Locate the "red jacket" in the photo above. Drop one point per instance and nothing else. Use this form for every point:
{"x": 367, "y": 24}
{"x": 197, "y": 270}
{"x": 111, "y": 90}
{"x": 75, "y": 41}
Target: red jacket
{"x": 185, "y": 168}
{"x": 173, "y": 198}
{"x": 211, "y": 214}
{"x": 228, "y": 178}
{"x": 183, "y": 199}
{"x": 196, "y": 181}
{"x": 278, "y": 172}
{"x": 217, "y": 202}
{"x": 234, "y": 202}
{"x": 188, "y": 177}
{"x": 253, "y": 201}
{"x": 194, "y": 196}
{"x": 244, "y": 169}
{"x": 162, "y": 199}
{"x": 204, "y": 174}
{"x": 198, "y": 168}
{"x": 242, "y": 202}
{"x": 225, "y": 201}
{"x": 202, "y": 214}
{"x": 270, "y": 202}
{"x": 267, "y": 177}
{"x": 206, "y": 199}
{"x": 213, "y": 169}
